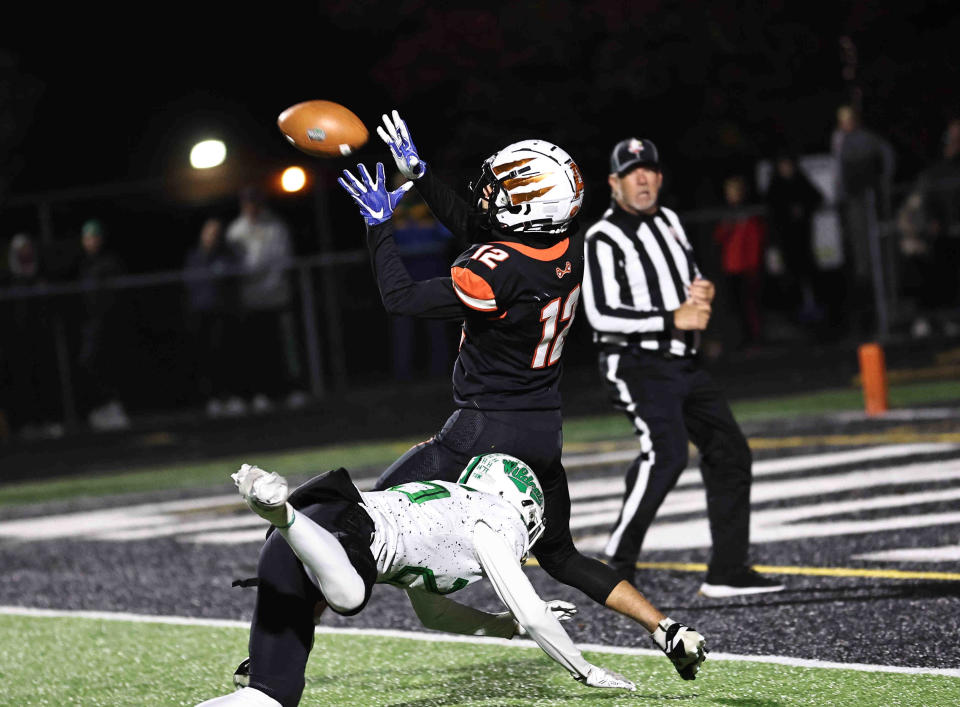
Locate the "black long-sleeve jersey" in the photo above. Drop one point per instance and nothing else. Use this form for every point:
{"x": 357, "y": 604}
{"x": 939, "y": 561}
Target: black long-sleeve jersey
{"x": 517, "y": 299}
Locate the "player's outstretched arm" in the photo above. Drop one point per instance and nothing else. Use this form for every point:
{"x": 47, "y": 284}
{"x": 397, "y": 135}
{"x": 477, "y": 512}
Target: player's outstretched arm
{"x": 371, "y": 195}
{"x": 439, "y": 613}
{"x": 395, "y": 134}
{"x": 683, "y": 646}
{"x": 401, "y": 294}
{"x": 538, "y": 620}
{"x": 451, "y": 210}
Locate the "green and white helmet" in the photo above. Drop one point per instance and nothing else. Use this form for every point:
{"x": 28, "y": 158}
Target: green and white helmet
{"x": 513, "y": 481}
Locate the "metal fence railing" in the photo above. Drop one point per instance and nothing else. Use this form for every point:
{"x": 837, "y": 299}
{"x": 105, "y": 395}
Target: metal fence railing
{"x": 335, "y": 333}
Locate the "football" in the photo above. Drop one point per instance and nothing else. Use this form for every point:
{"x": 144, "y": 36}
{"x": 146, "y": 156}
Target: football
{"x": 322, "y": 128}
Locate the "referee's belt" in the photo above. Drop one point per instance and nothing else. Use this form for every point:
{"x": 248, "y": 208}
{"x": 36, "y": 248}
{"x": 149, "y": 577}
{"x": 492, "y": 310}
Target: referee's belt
{"x": 633, "y": 342}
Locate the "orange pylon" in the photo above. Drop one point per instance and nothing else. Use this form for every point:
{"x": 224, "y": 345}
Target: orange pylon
{"x": 873, "y": 373}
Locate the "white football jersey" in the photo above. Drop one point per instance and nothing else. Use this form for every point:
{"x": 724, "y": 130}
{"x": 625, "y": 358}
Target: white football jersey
{"x": 424, "y": 533}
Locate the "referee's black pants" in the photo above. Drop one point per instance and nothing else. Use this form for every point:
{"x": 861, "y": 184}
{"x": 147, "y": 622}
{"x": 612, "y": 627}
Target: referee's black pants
{"x": 671, "y": 401}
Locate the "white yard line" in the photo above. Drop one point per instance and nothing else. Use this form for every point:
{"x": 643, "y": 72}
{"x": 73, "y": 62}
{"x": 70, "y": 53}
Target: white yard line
{"x": 448, "y": 638}
{"x": 944, "y": 553}
{"x": 780, "y": 524}
{"x": 905, "y": 415}
{"x": 767, "y": 467}
{"x": 603, "y": 512}
{"x": 596, "y": 503}
{"x": 94, "y": 522}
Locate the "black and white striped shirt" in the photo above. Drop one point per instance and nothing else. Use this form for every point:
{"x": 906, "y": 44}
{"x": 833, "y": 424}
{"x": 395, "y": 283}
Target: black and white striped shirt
{"x": 638, "y": 270}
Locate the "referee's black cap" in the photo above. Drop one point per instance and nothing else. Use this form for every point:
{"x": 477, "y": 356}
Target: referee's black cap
{"x": 631, "y": 153}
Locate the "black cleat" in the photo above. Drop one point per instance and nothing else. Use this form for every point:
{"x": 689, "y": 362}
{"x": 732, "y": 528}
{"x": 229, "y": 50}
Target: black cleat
{"x": 241, "y": 677}
{"x": 738, "y": 583}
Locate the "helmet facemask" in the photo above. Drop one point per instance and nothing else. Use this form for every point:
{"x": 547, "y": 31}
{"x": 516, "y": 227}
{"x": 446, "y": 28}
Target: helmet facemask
{"x": 486, "y": 188}
{"x": 534, "y": 521}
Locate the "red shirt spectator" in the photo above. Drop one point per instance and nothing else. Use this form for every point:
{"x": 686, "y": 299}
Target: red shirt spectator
{"x": 743, "y": 240}
{"x": 742, "y": 244}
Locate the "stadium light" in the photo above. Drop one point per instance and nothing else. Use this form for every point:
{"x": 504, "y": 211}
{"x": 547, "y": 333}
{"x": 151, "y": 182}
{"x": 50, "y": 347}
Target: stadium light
{"x": 207, "y": 154}
{"x": 293, "y": 179}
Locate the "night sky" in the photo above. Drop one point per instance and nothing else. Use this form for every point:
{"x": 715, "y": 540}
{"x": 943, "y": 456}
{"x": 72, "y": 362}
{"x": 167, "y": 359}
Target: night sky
{"x": 717, "y": 86}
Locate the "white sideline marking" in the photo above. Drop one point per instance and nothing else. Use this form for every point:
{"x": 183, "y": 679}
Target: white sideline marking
{"x": 448, "y": 638}
{"x": 944, "y": 553}
{"x": 179, "y": 528}
{"x": 906, "y": 415}
{"x": 766, "y": 467}
{"x": 781, "y": 523}
{"x": 228, "y": 537}
{"x": 596, "y": 502}
{"x": 586, "y": 515}
{"x": 93, "y": 523}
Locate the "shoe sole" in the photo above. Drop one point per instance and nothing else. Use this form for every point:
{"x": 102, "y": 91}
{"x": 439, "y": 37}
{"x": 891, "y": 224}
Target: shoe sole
{"x": 261, "y": 508}
{"x": 719, "y": 591}
{"x": 264, "y": 505}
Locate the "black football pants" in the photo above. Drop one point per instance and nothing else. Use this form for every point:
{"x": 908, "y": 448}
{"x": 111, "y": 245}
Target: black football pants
{"x": 671, "y": 401}
{"x": 536, "y": 438}
{"x": 282, "y": 629}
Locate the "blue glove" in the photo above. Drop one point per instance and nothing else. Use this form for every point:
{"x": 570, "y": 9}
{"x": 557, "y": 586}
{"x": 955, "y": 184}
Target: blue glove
{"x": 397, "y": 137}
{"x": 376, "y": 202}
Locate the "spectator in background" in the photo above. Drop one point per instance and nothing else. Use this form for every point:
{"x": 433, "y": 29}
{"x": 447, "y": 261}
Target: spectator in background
{"x": 101, "y": 360}
{"x": 929, "y": 223}
{"x": 271, "y": 352}
{"x": 424, "y": 245}
{"x": 211, "y": 303}
{"x": 864, "y": 175}
{"x": 28, "y": 367}
{"x": 742, "y": 239}
{"x": 792, "y": 199}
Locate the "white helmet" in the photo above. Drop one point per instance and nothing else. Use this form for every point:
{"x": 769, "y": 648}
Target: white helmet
{"x": 535, "y": 187}
{"x": 513, "y": 481}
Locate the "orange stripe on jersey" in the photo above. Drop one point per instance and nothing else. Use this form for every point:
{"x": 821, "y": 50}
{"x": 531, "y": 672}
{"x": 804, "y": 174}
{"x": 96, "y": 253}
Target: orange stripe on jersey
{"x": 473, "y": 290}
{"x": 545, "y": 254}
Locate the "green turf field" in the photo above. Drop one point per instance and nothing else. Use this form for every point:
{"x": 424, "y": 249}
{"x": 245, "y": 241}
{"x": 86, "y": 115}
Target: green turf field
{"x": 83, "y": 661}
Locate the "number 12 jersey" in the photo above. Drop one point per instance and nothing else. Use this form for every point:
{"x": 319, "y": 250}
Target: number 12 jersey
{"x": 516, "y": 296}
{"x": 522, "y": 301}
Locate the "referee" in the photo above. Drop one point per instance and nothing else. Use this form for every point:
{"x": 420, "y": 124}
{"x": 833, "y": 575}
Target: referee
{"x": 647, "y": 303}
